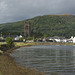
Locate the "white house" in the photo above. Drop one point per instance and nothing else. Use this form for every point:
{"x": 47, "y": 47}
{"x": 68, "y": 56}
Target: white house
{"x": 60, "y": 40}
{"x": 20, "y": 36}
{"x": 16, "y": 38}
{"x": 73, "y": 39}
{"x": 57, "y": 39}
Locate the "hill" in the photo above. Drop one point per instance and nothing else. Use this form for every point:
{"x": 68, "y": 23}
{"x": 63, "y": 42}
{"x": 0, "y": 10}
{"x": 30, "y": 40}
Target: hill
{"x": 48, "y": 25}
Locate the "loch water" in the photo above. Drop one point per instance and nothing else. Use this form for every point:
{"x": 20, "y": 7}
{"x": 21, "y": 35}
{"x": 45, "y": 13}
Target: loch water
{"x": 47, "y": 58}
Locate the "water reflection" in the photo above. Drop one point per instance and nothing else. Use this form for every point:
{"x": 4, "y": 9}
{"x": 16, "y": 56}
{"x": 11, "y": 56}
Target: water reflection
{"x": 47, "y": 58}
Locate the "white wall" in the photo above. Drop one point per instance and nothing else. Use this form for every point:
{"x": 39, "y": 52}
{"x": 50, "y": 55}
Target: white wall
{"x": 74, "y": 40}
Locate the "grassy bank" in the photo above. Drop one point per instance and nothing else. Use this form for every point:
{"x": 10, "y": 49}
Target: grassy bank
{"x": 9, "y": 67}
{"x": 41, "y": 43}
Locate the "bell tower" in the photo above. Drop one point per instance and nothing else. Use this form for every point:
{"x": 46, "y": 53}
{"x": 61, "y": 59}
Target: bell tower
{"x": 27, "y": 29}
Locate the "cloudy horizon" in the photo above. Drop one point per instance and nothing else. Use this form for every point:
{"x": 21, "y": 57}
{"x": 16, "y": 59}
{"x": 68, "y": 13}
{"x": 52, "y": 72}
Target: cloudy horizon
{"x": 16, "y": 10}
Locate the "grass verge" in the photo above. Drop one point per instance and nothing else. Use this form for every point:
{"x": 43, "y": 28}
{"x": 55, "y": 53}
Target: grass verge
{"x": 0, "y": 73}
{"x": 42, "y": 43}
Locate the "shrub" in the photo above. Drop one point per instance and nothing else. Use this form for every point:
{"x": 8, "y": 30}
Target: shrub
{"x": 10, "y": 42}
{"x": 29, "y": 38}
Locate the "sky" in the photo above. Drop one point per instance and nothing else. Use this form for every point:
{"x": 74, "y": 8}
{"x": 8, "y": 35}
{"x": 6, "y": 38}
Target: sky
{"x": 17, "y": 10}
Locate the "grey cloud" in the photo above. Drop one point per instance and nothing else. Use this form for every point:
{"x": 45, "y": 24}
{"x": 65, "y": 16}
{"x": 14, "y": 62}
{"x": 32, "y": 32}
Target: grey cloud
{"x": 14, "y": 10}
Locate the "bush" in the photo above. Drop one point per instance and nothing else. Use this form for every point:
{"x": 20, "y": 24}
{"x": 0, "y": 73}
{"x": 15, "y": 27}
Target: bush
{"x": 10, "y": 42}
{"x": 29, "y": 38}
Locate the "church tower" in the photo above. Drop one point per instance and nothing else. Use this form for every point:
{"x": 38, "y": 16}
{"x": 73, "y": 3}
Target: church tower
{"x": 27, "y": 29}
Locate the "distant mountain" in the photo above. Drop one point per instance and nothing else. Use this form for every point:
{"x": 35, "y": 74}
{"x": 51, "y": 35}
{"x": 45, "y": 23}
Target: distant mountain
{"x": 49, "y": 25}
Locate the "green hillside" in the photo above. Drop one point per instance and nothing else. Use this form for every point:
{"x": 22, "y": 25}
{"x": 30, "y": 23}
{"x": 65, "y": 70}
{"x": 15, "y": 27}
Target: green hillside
{"x": 48, "y": 25}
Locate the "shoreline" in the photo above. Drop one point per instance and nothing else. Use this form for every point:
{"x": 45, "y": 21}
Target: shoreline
{"x": 9, "y": 67}
{"x": 41, "y": 43}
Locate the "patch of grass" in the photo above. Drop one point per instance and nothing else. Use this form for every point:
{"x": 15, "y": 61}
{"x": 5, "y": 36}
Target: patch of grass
{"x": 38, "y": 43}
{"x": 41, "y": 43}
{"x": 19, "y": 44}
{"x": 1, "y": 43}
{"x": 0, "y": 73}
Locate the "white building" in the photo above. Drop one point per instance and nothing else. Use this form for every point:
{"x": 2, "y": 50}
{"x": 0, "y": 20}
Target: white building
{"x": 73, "y": 39}
{"x": 16, "y": 38}
{"x": 20, "y": 36}
{"x": 57, "y": 39}
{"x": 60, "y": 40}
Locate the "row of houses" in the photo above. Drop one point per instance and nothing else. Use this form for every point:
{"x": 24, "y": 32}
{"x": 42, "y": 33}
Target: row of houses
{"x": 48, "y": 39}
{"x": 72, "y": 39}
{"x": 58, "y": 39}
{"x": 16, "y": 37}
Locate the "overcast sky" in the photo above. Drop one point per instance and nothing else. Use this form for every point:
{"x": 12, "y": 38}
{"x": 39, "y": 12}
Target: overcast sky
{"x": 16, "y": 10}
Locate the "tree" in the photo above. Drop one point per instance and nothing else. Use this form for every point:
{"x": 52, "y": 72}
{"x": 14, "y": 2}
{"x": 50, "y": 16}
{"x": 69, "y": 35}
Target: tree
{"x": 10, "y": 42}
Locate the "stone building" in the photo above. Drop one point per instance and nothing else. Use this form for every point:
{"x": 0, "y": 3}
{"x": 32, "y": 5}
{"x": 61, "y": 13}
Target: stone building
{"x": 27, "y": 29}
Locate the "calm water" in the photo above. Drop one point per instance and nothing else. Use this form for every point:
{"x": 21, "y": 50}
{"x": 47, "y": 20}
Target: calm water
{"x": 50, "y": 58}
